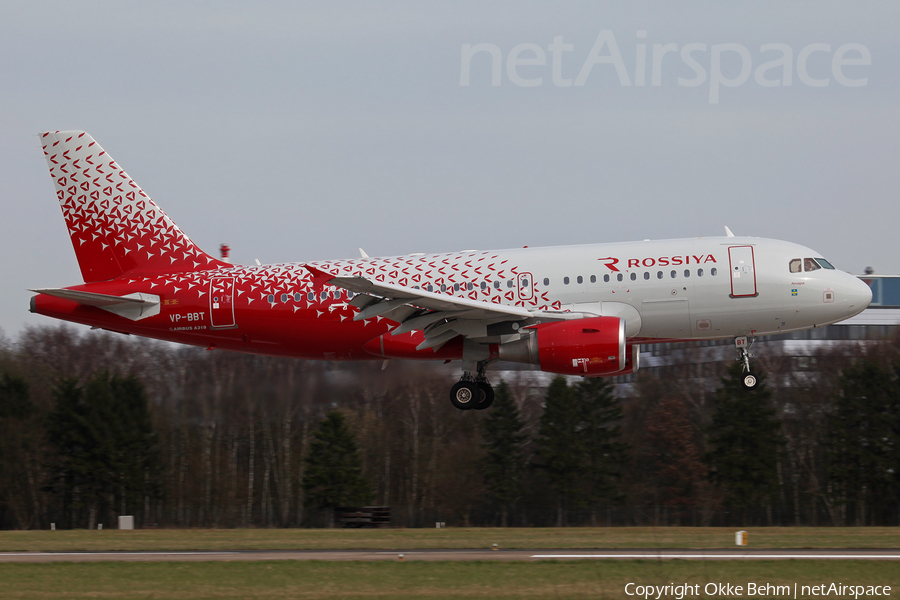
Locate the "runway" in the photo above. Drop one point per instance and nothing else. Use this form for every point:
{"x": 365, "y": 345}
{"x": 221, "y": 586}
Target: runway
{"x": 450, "y": 555}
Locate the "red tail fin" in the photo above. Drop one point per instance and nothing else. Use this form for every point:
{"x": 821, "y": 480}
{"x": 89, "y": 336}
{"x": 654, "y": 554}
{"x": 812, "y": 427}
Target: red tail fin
{"x": 115, "y": 227}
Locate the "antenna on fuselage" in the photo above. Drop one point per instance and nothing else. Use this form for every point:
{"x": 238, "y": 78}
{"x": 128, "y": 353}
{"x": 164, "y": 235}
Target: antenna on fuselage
{"x": 728, "y": 232}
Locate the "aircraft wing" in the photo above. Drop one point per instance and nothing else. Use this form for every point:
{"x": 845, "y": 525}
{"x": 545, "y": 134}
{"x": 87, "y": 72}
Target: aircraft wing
{"x": 439, "y": 316}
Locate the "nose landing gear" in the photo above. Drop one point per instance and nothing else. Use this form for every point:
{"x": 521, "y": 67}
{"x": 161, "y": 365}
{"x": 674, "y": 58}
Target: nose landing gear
{"x": 472, "y": 392}
{"x": 749, "y": 380}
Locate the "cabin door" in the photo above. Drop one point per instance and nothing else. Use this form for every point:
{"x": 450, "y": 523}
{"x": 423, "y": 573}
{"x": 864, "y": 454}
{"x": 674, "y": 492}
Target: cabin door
{"x": 221, "y": 302}
{"x": 743, "y": 271}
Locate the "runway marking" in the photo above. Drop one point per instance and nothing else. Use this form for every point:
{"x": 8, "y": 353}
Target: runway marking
{"x": 730, "y": 556}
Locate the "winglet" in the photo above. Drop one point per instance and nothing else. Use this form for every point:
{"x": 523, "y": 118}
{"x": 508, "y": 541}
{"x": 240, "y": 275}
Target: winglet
{"x": 320, "y": 277}
{"x": 362, "y": 253}
{"x": 728, "y": 232}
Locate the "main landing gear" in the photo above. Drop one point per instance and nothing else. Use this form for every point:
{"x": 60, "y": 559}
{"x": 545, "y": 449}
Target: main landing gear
{"x": 472, "y": 392}
{"x": 749, "y": 380}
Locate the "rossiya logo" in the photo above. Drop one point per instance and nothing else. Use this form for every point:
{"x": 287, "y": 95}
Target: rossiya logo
{"x": 611, "y": 263}
{"x": 662, "y": 261}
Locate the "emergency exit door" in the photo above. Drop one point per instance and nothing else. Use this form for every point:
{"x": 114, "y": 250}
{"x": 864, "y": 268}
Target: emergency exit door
{"x": 743, "y": 271}
{"x": 221, "y": 302}
{"x": 525, "y": 285}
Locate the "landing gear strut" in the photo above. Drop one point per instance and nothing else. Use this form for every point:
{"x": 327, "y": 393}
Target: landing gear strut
{"x": 749, "y": 380}
{"x": 473, "y": 391}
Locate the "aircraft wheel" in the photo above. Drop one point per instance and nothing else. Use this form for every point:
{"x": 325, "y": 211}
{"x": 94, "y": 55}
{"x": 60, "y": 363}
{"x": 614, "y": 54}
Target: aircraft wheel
{"x": 465, "y": 395}
{"x": 749, "y": 381}
{"x": 487, "y": 396}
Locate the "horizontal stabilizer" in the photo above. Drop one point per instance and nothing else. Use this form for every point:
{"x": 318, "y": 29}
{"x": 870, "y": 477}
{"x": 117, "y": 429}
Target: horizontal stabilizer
{"x": 133, "y": 306}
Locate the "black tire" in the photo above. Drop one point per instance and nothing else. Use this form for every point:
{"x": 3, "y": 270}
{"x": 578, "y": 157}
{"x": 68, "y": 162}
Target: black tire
{"x": 465, "y": 395}
{"x": 749, "y": 381}
{"x": 487, "y": 396}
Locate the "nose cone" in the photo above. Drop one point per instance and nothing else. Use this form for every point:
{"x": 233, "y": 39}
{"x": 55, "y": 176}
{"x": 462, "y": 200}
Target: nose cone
{"x": 857, "y": 294}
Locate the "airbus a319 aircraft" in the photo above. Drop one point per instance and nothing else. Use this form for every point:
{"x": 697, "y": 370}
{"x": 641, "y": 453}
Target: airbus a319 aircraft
{"x": 576, "y": 310}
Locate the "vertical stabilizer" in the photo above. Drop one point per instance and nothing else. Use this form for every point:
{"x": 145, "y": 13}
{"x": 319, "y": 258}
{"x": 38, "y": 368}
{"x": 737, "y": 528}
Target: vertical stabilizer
{"x": 114, "y": 226}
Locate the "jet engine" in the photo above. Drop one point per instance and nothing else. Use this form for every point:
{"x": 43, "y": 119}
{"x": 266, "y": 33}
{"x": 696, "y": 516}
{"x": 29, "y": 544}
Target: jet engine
{"x": 591, "y": 347}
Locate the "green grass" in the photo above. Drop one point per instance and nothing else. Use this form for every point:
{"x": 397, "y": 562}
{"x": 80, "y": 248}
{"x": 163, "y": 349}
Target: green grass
{"x": 410, "y": 539}
{"x": 426, "y": 580}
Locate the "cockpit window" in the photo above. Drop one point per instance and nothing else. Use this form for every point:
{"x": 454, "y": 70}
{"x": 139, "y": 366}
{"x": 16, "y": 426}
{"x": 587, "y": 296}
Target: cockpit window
{"x": 810, "y": 264}
{"x": 825, "y": 264}
{"x": 796, "y": 265}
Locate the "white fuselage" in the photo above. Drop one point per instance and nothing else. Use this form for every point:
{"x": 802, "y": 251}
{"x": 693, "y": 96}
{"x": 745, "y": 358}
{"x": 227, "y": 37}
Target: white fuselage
{"x": 701, "y": 288}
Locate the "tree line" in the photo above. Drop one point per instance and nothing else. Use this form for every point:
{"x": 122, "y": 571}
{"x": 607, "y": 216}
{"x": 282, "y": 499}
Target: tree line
{"x": 95, "y": 425}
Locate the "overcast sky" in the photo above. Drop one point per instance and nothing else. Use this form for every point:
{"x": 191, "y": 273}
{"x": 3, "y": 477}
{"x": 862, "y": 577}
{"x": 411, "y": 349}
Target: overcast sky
{"x": 304, "y": 130}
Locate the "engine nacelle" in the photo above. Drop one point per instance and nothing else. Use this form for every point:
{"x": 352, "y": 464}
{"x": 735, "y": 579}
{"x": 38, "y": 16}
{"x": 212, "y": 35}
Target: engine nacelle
{"x": 590, "y": 347}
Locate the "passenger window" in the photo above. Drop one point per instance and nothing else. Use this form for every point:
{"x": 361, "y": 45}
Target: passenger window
{"x": 455, "y": 287}
{"x": 699, "y": 272}
{"x": 606, "y": 279}
{"x": 687, "y": 272}
{"x": 566, "y": 280}
{"x": 713, "y": 271}
{"x": 579, "y": 279}
{"x": 673, "y": 273}
{"x": 619, "y": 277}
{"x": 795, "y": 265}
{"x": 443, "y": 288}
{"x": 349, "y": 295}
{"x": 659, "y": 274}
{"x": 509, "y": 283}
{"x": 496, "y": 285}
{"x": 429, "y": 287}
{"x": 337, "y": 294}
{"x": 270, "y": 299}
{"x": 298, "y": 297}
{"x": 546, "y": 281}
{"x": 593, "y": 279}
{"x": 647, "y": 275}
{"x": 284, "y": 297}
{"x": 324, "y": 295}
{"x": 633, "y": 276}
{"x": 484, "y": 285}
{"x": 311, "y": 296}
{"x": 810, "y": 264}
{"x": 524, "y": 283}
